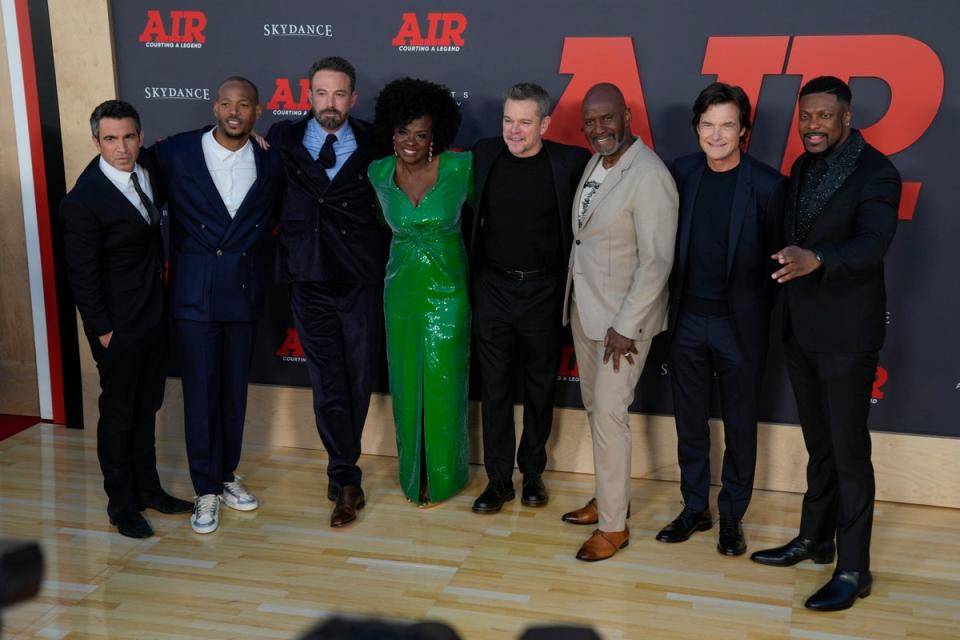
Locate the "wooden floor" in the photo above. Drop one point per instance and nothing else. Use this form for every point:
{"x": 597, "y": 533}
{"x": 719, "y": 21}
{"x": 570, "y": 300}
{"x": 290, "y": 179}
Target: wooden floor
{"x": 273, "y": 572}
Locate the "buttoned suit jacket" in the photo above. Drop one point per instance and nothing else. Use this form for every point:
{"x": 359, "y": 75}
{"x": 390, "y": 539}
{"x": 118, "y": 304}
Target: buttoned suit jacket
{"x": 622, "y": 255}
{"x": 841, "y": 307}
{"x": 218, "y": 264}
{"x": 330, "y": 231}
{"x": 114, "y": 258}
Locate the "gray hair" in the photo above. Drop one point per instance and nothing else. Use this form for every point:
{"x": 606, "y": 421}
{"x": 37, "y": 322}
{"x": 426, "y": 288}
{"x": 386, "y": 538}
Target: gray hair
{"x": 530, "y": 91}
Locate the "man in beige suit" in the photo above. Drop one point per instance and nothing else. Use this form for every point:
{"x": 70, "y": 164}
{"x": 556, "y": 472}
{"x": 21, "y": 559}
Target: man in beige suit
{"x": 624, "y": 225}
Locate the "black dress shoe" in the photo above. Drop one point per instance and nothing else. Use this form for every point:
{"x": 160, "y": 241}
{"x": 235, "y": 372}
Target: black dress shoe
{"x": 333, "y": 492}
{"x": 534, "y": 494}
{"x": 163, "y": 502}
{"x": 685, "y": 525}
{"x": 493, "y": 497}
{"x": 795, "y": 551}
{"x": 349, "y": 502}
{"x": 732, "y": 542}
{"x": 844, "y": 588}
{"x": 130, "y": 523}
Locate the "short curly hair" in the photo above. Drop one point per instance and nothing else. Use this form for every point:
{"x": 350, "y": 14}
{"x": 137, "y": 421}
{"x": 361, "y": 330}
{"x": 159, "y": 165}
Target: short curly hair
{"x": 405, "y": 100}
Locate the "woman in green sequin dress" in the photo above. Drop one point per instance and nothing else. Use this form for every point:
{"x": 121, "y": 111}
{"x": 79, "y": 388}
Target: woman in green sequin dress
{"x": 421, "y": 188}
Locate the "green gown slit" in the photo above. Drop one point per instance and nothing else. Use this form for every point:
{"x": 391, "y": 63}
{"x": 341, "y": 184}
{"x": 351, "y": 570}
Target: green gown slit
{"x": 427, "y": 311}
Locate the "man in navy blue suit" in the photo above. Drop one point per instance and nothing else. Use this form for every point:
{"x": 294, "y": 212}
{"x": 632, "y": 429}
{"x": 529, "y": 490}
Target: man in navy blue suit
{"x": 333, "y": 252}
{"x": 115, "y": 267}
{"x": 222, "y": 191}
{"x": 721, "y": 295}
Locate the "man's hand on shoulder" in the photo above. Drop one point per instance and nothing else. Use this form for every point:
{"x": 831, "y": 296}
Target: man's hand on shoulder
{"x": 796, "y": 263}
{"x": 617, "y": 345}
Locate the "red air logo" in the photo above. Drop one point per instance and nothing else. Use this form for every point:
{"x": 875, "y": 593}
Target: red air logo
{"x": 289, "y": 98}
{"x": 568, "y": 371}
{"x": 911, "y": 69}
{"x": 878, "y": 381}
{"x": 183, "y": 30}
{"x": 442, "y": 32}
{"x": 291, "y": 350}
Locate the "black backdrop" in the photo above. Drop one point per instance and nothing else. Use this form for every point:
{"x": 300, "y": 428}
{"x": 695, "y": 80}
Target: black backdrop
{"x": 900, "y": 58}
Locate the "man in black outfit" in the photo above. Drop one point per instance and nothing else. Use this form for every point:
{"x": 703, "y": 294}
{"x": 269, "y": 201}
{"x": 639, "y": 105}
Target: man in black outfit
{"x": 115, "y": 267}
{"x": 731, "y": 207}
{"x": 519, "y": 243}
{"x": 333, "y": 252}
{"x": 841, "y": 214}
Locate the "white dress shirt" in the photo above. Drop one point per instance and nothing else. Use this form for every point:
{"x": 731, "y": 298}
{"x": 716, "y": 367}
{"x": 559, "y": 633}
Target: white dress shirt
{"x": 121, "y": 180}
{"x": 233, "y": 172}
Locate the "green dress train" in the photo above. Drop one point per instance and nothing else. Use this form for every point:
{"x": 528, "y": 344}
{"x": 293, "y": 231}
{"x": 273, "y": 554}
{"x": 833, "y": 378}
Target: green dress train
{"x": 427, "y": 311}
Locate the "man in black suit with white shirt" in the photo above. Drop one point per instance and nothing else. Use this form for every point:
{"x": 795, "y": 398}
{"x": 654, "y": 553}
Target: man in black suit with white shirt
{"x": 115, "y": 268}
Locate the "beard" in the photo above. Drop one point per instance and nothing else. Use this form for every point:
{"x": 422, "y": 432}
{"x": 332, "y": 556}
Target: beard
{"x": 330, "y": 119}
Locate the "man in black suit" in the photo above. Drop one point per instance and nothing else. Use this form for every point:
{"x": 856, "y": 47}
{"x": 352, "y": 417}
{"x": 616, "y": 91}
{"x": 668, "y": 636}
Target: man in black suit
{"x": 333, "y": 252}
{"x": 731, "y": 207}
{"x": 841, "y": 215}
{"x": 519, "y": 244}
{"x": 115, "y": 268}
{"x": 222, "y": 192}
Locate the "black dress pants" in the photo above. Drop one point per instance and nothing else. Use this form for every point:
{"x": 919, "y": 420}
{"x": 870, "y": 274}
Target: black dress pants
{"x": 132, "y": 378}
{"x": 702, "y": 345}
{"x": 517, "y": 325}
{"x": 833, "y": 400}
{"x": 340, "y": 327}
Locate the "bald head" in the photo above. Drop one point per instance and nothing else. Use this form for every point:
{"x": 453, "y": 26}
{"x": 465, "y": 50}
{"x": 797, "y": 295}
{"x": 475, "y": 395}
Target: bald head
{"x": 606, "y": 122}
{"x": 604, "y": 92}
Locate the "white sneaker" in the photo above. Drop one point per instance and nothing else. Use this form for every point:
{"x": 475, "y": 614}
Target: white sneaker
{"x": 206, "y": 513}
{"x": 236, "y": 496}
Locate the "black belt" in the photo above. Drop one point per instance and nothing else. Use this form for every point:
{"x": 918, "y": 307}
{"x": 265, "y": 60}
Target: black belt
{"x": 518, "y": 275}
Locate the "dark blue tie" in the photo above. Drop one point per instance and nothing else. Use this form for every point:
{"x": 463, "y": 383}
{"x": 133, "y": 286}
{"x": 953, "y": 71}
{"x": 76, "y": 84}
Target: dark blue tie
{"x": 327, "y": 157}
{"x": 148, "y": 204}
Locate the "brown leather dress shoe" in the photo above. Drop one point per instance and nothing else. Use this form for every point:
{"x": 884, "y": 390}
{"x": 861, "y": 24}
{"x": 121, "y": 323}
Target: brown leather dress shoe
{"x": 603, "y": 544}
{"x": 333, "y": 492}
{"x": 587, "y": 514}
{"x": 349, "y": 501}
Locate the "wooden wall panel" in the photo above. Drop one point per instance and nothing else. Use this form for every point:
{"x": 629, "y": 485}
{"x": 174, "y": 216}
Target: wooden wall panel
{"x": 18, "y": 366}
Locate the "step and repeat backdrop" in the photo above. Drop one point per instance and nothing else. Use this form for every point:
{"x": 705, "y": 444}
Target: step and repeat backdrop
{"x": 901, "y": 62}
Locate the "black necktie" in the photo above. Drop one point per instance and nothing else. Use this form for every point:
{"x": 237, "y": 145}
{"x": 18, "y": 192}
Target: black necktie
{"x": 327, "y": 157}
{"x": 147, "y": 202}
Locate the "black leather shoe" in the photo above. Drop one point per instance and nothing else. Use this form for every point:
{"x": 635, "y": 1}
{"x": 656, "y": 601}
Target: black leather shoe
{"x": 493, "y": 497}
{"x": 130, "y": 523}
{"x": 534, "y": 494}
{"x": 333, "y": 492}
{"x": 685, "y": 525}
{"x": 349, "y": 501}
{"x": 843, "y": 590}
{"x": 732, "y": 542}
{"x": 795, "y": 551}
{"x": 163, "y": 502}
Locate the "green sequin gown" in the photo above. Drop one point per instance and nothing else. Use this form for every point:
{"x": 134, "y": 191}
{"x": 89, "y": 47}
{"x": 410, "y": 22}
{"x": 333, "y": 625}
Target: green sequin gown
{"x": 427, "y": 311}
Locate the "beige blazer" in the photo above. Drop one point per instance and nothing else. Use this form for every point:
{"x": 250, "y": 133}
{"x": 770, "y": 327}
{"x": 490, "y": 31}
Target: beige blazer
{"x": 622, "y": 256}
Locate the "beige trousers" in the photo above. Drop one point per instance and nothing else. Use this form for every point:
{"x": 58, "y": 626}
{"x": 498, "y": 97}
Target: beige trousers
{"x": 606, "y": 397}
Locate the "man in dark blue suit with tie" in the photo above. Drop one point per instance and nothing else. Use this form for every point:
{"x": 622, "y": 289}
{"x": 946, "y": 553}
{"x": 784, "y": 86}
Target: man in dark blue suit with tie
{"x": 333, "y": 252}
{"x": 222, "y": 191}
{"x": 720, "y": 300}
{"x": 115, "y": 267}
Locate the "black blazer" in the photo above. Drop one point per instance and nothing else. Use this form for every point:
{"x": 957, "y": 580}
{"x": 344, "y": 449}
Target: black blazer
{"x": 114, "y": 258}
{"x": 330, "y": 231}
{"x": 756, "y": 230}
{"x": 218, "y": 264}
{"x": 566, "y": 162}
{"x": 842, "y": 306}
